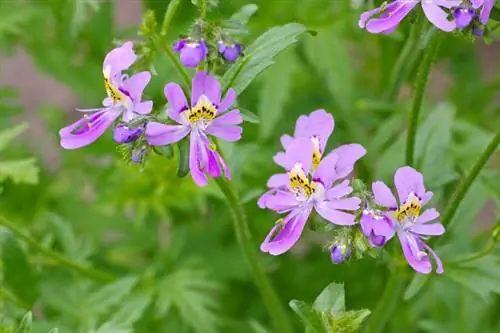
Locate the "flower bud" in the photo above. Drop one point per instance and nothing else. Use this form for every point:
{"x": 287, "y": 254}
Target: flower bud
{"x": 124, "y": 134}
{"x": 376, "y": 227}
{"x": 340, "y": 251}
{"x": 463, "y": 16}
{"x": 191, "y": 52}
{"x": 138, "y": 155}
{"x": 230, "y": 52}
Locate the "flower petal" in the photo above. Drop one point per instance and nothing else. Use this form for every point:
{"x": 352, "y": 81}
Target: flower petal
{"x": 143, "y": 107}
{"x": 282, "y": 201}
{"x": 334, "y": 216}
{"x": 136, "y": 83}
{"x": 319, "y": 124}
{"x": 409, "y": 180}
{"x": 205, "y": 84}
{"x": 352, "y": 203}
{"x": 383, "y": 195}
{"x": 348, "y": 156}
{"x": 439, "y": 264}
{"x": 339, "y": 191}
{"x": 299, "y": 151}
{"x": 262, "y": 202}
{"x": 280, "y": 159}
{"x": 484, "y": 16}
{"x": 278, "y": 180}
{"x": 160, "y": 134}
{"x": 279, "y": 242}
{"x": 413, "y": 251}
{"x": 227, "y": 133}
{"x": 232, "y": 117}
{"x": 437, "y": 16}
{"x": 177, "y": 102}
{"x": 325, "y": 172}
{"x": 285, "y": 140}
{"x": 197, "y": 159}
{"x": 430, "y": 229}
{"x": 365, "y": 16}
{"x": 394, "y": 14}
{"x": 228, "y": 101}
{"x": 120, "y": 58}
{"x": 427, "y": 215}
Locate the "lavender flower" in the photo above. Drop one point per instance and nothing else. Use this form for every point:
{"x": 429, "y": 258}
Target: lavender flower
{"x": 410, "y": 225}
{"x": 470, "y": 10}
{"x": 207, "y": 115}
{"x": 124, "y": 97}
{"x": 307, "y": 187}
{"x": 230, "y": 52}
{"x": 377, "y": 227}
{"x": 191, "y": 52}
{"x": 386, "y": 18}
{"x": 340, "y": 252}
{"x": 124, "y": 134}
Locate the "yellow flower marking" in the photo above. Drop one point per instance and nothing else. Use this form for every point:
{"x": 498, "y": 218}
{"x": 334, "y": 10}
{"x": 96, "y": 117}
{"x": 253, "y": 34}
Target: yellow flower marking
{"x": 116, "y": 95}
{"x": 299, "y": 182}
{"x": 410, "y": 209}
{"x": 316, "y": 158}
{"x": 204, "y": 109}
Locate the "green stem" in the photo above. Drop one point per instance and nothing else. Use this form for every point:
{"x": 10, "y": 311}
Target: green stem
{"x": 56, "y": 257}
{"x": 386, "y": 305}
{"x": 420, "y": 86}
{"x": 169, "y": 15}
{"x": 475, "y": 256}
{"x": 270, "y": 298}
{"x": 459, "y": 194}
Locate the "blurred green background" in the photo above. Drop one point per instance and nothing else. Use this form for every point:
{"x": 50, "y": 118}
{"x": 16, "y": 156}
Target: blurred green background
{"x": 172, "y": 244}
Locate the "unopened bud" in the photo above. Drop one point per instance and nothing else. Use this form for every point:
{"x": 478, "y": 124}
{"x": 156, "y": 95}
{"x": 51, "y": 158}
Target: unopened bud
{"x": 340, "y": 251}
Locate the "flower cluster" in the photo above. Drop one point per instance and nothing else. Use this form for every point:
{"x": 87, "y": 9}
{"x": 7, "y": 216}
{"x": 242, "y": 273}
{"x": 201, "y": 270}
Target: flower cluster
{"x": 447, "y": 15}
{"x": 319, "y": 182}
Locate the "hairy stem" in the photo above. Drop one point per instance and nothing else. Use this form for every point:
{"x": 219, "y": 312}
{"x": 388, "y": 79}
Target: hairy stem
{"x": 462, "y": 189}
{"x": 420, "y": 86}
{"x": 169, "y": 15}
{"x": 269, "y": 295}
{"x": 56, "y": 257}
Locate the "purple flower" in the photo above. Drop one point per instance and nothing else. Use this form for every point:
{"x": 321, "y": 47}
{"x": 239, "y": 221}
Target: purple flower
{"x": 317, "y": 127}
{"x": 386, "y": 19}
{"x": 307, "y": 187}
{"x": 340, "y": 251}
{"x": 191, "y": 52}
{"x": 377, "y": 227}
{"x": 465, "y": 14}
{"x": 207, "y": 115}
{"x": 410, "y": 225}
{"x": 230, "y": 52}
{"x": 124, "y": 97}
{"x": 124, "y": 134}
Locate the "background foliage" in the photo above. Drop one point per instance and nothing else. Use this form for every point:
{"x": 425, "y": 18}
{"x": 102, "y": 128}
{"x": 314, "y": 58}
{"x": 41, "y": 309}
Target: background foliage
{"x": 168, "y": 246}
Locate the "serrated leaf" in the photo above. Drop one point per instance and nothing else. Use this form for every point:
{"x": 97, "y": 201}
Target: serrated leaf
{"x": 25, "y": 325}
{"x": 76, "y": 248}
{"x": 310, "y": 318}
{"x": 275, "y": 88}
{"x": 183, "y": 168}
{"x": 7, "y": 135}
{"x": 18, "y": 275}
{"x": 19, "y": 171}
{"x": 331, "y": 299}
{"x": 131, "y": 310}
{"x": 416, "y": 284}
{"x": 260, "y": 55}
{"x": 110, "y": 295}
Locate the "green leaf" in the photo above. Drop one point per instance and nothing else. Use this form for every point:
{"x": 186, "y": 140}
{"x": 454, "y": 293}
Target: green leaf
{"x": 18, "y": 275}
{"x": 132, "y": 310}
{"x": 260, "y": 55}
{"x": 331, "y": 299}
{"x": 244, "y": 14}
{"x": 166, "y": 151}
{"x": 7, "y": 135}
{"x": 183, "y": 168}
{"x": 15, "y": 17}
{"x": 54, "y": 330}
{"x": 112, "y": 328}
{"x": 25, "y": 325}
{"x": 74, "y": 247}
{"x": 19, "y": 171}
{"x": 249, "y": 116}
{"x": 80, "y": 12}
{"x": 110, "y": 295}
{"x": 308, "y": 316}
{"x": 416, "y": 284}
{"x": 275, "y": 89}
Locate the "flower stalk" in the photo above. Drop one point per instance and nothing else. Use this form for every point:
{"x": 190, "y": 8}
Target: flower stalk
{"x": 56, "y": 257}
{"x": 268, "y": 293}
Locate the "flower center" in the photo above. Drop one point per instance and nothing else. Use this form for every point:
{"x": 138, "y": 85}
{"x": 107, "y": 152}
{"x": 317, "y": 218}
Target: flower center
{"x": 204, "y": 110}
{"x": 410, "y": 209}
{"x": 300, "y": 184}
{"x": 116, "y": 95}
{"x": 316, "y": 158}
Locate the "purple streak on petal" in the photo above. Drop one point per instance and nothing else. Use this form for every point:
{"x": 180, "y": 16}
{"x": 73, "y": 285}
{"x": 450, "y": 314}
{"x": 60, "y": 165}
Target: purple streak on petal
{"x": 399, "y": 10}
{"x": 279, "y": 242}
{"x": 352, "y": 203}
{"x": 223, "y": 164}
{"x": 334, "y": 216}
{"x": 229, "y": 118}
{"x": 177, "y": 102}
{"x": 205, "y": 84}
{"x": 325, "y": 172}
{"x": 285, "y": 140}
{"x": 383, "y": 195}
{"x": 411, "y": 247}
{"x": 278, "y": 180}
{"x": 339, "y": 191}
{"x": 365, "y": 16}
{"x": 87, "y": 130}
{"x": 437, "y": 16}
{"x": 160, "y": 134}
{"x": 484, "y": 16}
{"x": 409, "y": 180}
{"x": 439, "y": 264}
{"x": 427, "y": 215}
{"x": 430, "y": 229}
{"x": 196, "y": 159}
{"x": 228, "y": 101}
{"x": 319, "y": 123}
{"x": 348, "y": 156}
{"x": 227, "y": 133}
{"x": 282, "y": 201}
{"x": 135, "y": 85}
{"x": 124, "y": 134}
{"x": 213, "y": 165}
{"x": 143, "y": 107}
{"x": 120, "y": 58}
{"x": 300, "y": 151}
{"x": 179, "y": 45}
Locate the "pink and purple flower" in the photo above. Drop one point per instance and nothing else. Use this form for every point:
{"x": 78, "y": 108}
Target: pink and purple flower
{"x": 207, "y": 114}
{"x": 124, "y": 98}
{"x": 191, "y": 52}
{"x": 410, "y": 224}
